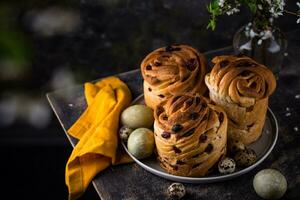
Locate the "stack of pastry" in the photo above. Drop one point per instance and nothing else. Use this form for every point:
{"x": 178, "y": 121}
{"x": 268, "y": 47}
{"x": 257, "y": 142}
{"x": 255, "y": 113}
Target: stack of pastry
{"x": 241, "y": 87}
{"x": 190, "y": 134}
{"x": 172, "y": 70}
{"x": 190, "y": 130}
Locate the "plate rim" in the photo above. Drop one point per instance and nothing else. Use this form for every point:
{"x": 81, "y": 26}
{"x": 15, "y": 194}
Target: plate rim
{"x": 211, "y": 179}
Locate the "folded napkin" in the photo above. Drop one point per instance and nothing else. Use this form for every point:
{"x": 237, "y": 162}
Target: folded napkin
{"x": 97, "y": 130}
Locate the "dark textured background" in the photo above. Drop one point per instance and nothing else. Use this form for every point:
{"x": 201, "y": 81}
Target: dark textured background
{"x": 104, "y": 37}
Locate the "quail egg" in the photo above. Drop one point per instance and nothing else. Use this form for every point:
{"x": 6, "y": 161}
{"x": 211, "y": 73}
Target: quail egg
{"x": 137, "y": 116}
{"x": 245, "y": 158}
{"x": 124, "y": 133}
{"x": 176, "y": 191}
{"x": 270, "y": 184}
{"x": 141, "y": 143}
{"x": 226, "y": 166}
{"x": 234, "y": 146}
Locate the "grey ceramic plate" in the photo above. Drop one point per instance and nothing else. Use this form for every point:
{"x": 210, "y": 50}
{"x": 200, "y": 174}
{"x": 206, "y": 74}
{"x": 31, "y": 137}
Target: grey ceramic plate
{"x": 263, "y": 147}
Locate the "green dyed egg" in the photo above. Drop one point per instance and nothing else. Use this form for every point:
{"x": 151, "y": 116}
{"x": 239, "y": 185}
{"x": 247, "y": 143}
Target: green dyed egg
{"x": 141, "y": 143}
{"x": 270, "y": 184}
{"x": 137, "y": 116}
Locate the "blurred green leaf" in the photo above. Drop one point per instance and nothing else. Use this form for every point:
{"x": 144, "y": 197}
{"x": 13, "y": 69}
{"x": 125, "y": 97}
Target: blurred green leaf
{"x": 211, "y": 24}
{"x": 14, "y": 47}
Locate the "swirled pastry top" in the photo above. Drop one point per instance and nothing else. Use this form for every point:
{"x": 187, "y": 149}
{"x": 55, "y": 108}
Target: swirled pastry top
{"x": 174, "y": 69}
{"x": 190, "y": 134}
{"x": 240, "y": 79}
{"x": 183, "y": 115}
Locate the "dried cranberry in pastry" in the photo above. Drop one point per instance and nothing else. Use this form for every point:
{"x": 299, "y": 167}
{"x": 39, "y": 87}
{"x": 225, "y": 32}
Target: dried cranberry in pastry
{"x": 156, "y": 63}
{"x": 197, "y": 155}
{"x": 149, "y": 89}
{"x": 148, "y": 67}
{"x": 224, "y": 63}
{"x": 249, "y": 109}
{"x": 176, "y": 150}
{"x": 176, "y": 98}
{"x": 190, "y": 132}
{"x": 202, "y": 138}
{"x": 179, "y": 162}
{"x": 170, "y": 48}
{"x": 253, "y": 85}
{"x": 194, "y": 115}
{"x": 189, "y": 102}
{"x": 209, "y": 148}
{"x": 159, "y": 110}
{"x": 221, "y": 117}
{"x": 177, "y": 127}
{"x": 175, "y": 167}
{"x": 161, "y": 96}
{"x": 250, "y": 125}
{"x": 197, "y": 100}
{"x": 245, "y": 73}
{"x": 191, "y": 64}
{"x": 166, "y": 134}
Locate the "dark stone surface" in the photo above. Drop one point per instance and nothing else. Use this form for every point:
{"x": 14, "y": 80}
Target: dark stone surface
{"x": 132, "y": 182}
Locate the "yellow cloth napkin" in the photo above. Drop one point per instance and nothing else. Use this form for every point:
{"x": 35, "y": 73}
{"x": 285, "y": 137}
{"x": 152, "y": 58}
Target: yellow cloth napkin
{"x": 97, "y": 130}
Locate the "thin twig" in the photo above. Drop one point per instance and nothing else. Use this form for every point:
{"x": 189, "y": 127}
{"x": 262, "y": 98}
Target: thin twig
{"x": 292, "y": 13}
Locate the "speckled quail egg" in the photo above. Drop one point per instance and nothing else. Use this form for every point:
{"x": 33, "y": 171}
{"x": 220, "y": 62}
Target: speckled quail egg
{"x": 226, "y": 166}
{"x": 124, "y": 133}
{"x": 234, "y": 146}
{"x": 270, "y": 184}
{"x": 245, "y": 158}
{"x": 141, "y": 143}
{"x": 176, "y": 191}
{"x": 137, "y": 116}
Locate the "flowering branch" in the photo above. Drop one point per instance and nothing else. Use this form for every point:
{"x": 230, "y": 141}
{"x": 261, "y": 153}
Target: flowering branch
{"x": 264, "y": 11}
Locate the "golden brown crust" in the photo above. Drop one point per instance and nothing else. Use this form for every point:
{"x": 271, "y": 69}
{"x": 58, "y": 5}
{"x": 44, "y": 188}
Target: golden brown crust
{"x": 172, "y": 70}
{"x": 190, "y": 134}
{"x": 241, "y": 86}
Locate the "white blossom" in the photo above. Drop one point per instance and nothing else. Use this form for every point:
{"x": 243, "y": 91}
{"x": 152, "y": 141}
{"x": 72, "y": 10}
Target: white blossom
{"x": 269, "y": 2}
{"x": 259, "y": 41}
{"x": 298, "y": 4}
{"x": 221, "y": 3}
{"x": 281, "y": 4}
{"x": 276, "y": 7}
{"x": 232, "y": 11}
{"x": 259, "y": 6}
{"x": 267, "y": 34}
{"x": 298, "y": 21}
{"x": 252, "y": 33}
{"x": 271, "y": 19}
{"x": 261, "y": 33}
